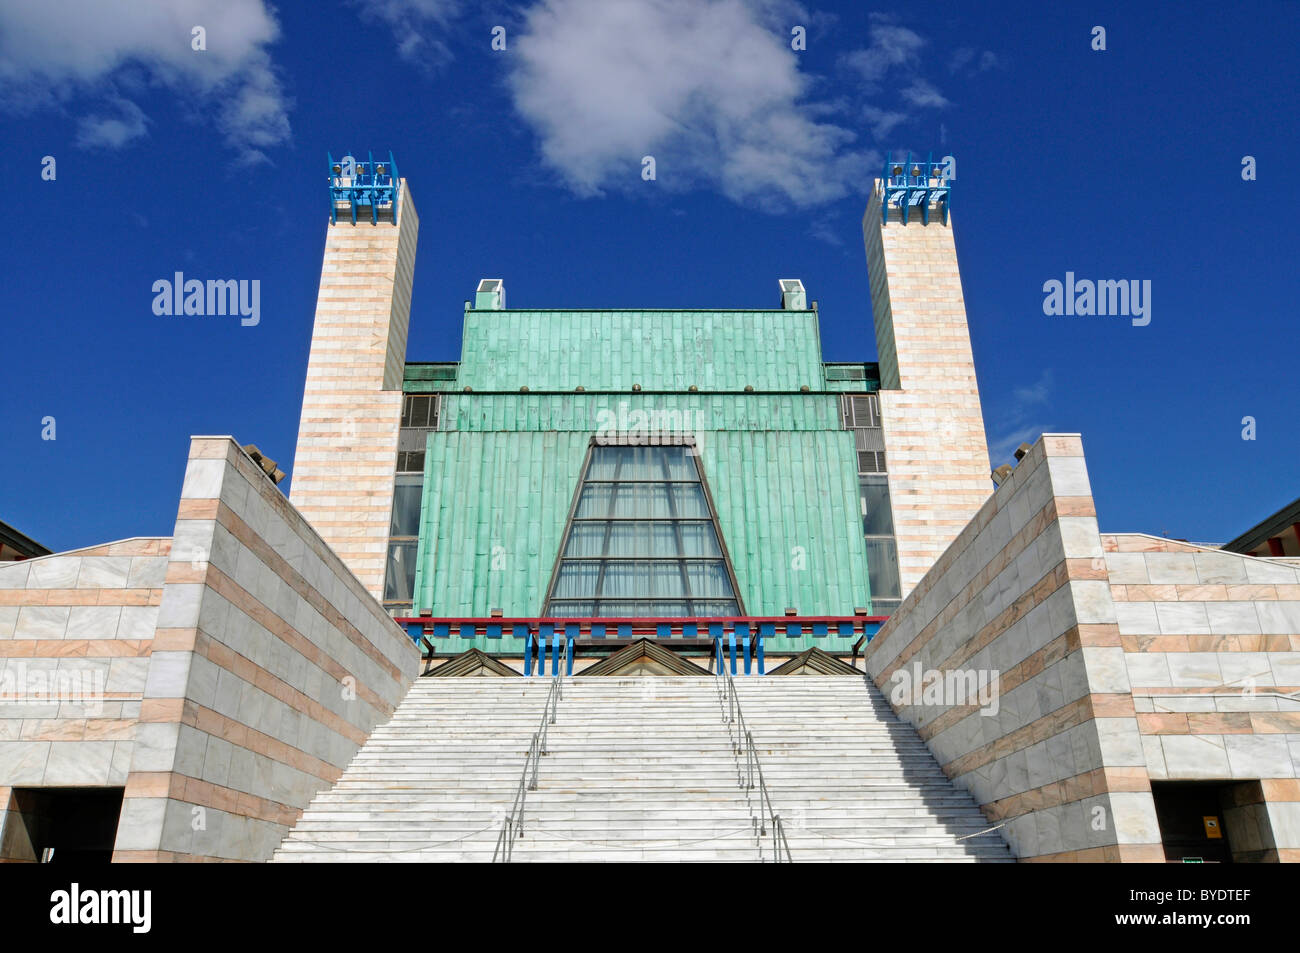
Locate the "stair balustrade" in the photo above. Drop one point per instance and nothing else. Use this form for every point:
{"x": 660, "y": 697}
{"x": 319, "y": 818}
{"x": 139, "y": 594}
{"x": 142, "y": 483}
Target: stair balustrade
{"x": 513, "y": 825}
{"x": 748, "y": 770}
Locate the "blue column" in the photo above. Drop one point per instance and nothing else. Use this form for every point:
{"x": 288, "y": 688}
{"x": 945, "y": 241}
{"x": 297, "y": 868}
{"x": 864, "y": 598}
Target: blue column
{"x": 766, "y": 630}
{"x": 570, "y": 633}
{"x": 742, "y": 633}
{"x": 544, "y": 633}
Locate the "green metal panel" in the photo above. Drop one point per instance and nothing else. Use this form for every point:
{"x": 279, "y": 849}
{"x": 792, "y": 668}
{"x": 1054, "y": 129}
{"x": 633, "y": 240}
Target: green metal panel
{"x": 788, "y": 506}
{"x": 660, "y": 350}
{"x": 494, "y": 508}
{"x": 429, "y": 378}
{"x": 781, "y": 472}
{"x": 680, "y": 412}
{"x": 837, "y": 377}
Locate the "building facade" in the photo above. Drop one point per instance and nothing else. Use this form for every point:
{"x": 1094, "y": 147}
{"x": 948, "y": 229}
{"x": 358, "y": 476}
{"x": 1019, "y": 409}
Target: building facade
{"x": 650, "y": 492}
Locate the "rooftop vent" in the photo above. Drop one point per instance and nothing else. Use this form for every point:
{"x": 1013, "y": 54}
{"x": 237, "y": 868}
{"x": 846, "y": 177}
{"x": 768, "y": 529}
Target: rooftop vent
{"x": 793, "y": 297}
{"x": 491, "y": 295}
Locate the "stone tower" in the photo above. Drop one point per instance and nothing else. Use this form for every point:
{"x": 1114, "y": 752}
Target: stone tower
{"x": 933, "y": 429}
{"x": 352, "y": 403}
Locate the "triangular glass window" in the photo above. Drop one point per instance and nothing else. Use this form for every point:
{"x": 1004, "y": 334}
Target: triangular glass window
{"x": 642, "y": 540}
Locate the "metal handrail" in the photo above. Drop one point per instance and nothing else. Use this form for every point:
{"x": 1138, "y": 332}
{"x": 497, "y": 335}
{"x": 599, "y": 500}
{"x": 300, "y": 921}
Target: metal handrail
{"x": 743, "y": 743}
{"x": 513, "y": 826}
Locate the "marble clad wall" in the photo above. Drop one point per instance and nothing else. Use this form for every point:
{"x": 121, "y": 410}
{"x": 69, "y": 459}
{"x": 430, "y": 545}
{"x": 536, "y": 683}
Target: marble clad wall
{"x": 1022, "y": 593}
{"x": 1211, "y": 644}
{"x": 76, "y": 631}
{"x": 271, "y": 664}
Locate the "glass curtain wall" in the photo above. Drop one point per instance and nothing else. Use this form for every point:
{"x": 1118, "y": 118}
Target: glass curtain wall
{"x": 643, "y": 540}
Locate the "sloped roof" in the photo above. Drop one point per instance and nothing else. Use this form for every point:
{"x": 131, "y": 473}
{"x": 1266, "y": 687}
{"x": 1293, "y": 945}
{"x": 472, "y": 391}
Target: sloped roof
{"x": 21, "y": 542}
{"x": 815, "y": 661}
{"x": 472, "y": 662}
{"x": 1279, "y": 524}
{"x": 638, "y": 654}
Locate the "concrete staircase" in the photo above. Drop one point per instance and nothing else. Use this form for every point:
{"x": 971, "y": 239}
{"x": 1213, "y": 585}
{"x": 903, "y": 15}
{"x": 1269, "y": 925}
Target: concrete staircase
{"x": 642, "y": 769}
{"x": 854, "y": 782}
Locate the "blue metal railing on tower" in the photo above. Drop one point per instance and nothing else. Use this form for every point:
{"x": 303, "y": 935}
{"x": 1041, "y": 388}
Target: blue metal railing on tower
{"x": 363, "y": 184}
{"x": 925, "y": 184}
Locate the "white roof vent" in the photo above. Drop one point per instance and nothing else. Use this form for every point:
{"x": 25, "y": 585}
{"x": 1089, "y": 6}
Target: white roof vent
{"x": 491, "y": 295}
{"x": 793, "y": 297}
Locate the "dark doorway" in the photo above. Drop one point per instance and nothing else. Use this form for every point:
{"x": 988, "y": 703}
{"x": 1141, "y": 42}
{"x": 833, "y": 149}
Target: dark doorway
{"x": 1193, "y": 818}
{"x": 61, "y": 825}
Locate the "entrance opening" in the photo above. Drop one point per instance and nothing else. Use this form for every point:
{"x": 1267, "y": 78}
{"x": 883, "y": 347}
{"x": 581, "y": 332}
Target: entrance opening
{"x": 1220, "y": 822}
{"x": 59, "y": 825}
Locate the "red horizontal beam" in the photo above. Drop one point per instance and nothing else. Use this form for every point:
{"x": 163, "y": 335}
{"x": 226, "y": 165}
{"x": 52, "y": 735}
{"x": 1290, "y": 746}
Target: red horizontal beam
{"x": 643, "y": 621}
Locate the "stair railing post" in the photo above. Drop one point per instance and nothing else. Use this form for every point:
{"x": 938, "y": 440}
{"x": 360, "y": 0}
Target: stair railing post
{"x": 532, "y": 763}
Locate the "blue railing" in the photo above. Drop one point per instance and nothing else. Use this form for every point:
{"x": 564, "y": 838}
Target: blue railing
{"x": 918, "y": 183}
{"x": 363, "y": 184}
{"x": 549, "y": 644}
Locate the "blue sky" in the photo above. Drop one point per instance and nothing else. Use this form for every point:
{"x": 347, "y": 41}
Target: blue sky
{"x": 524, "y": 164}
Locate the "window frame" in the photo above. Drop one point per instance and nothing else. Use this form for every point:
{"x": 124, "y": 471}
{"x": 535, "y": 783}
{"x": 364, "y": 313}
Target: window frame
{"x": 571, "y": 518}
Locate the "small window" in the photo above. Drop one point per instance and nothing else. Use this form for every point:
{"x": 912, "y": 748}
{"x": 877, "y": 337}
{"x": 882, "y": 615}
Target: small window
{"x": 871, "y": 461}
{"x": 399, "y": 585}
{"x": 420, "y": 410}
{"x": 882, "y": 569}
{"x": 877, "y": 518}
{"x": 865, "y": 410}
{"x": 406, "y": 506}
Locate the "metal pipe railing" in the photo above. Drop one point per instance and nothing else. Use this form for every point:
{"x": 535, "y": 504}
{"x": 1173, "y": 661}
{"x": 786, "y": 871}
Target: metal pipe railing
{"x": 513, "y": 826}
{"x": 749, "y": 770}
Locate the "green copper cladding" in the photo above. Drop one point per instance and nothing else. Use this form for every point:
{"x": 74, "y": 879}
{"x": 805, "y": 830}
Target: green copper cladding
{"x": 660, "y": 350}
{"x": 429, "y": 378}
{"x": 501, "y": 470}
{"x": 498, "y": 491}
{"x": 439, "y": 377}
{"x": 587, "y": 412}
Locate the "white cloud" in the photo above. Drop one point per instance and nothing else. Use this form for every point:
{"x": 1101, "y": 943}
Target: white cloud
{"x": 923, "y": 94}
{"x": 112, "y": 132}
{"x": 891, "y": 46}
{"x": 1035, "y": 393}
{"x": 1027, "y": 401}
{"x": 59, "y": 54}
{"x": 416, "y": 25}
{"x": 883, "y": 121}
{"x": 825, "y": 230}
{"x": 711, "y": 89}
{"x": 890, "y": 66}
{"x": 972, "y": 62}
